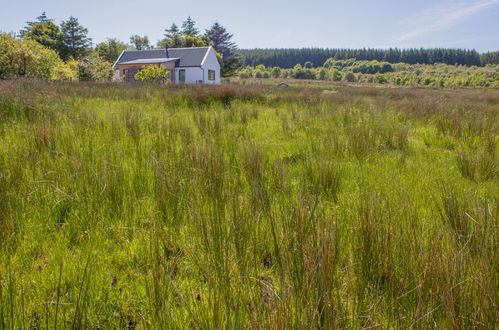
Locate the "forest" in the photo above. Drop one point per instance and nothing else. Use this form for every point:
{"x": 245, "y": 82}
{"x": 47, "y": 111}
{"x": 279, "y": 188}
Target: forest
{"x": 288, "y": 58}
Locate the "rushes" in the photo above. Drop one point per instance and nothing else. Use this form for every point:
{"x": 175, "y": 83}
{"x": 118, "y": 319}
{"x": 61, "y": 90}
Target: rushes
{"x": 479, "y": 163}
{"x": 247, "y": 206}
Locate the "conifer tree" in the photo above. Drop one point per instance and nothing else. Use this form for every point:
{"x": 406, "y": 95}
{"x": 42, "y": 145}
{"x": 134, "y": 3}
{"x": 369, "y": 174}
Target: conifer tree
{"x": 221, "y": 40}
{"x": 43, "y": 31}
{"x": 75, "y": 42}
{"x": 189, "y": 27}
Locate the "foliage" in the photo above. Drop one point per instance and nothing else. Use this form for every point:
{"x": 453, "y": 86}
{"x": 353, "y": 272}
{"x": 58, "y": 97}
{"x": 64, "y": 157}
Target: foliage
{"x": 152, "y": 73}
{"x": 140, "y": 43}
{"x": 44, "y": 31}
{"x": 94, "y": 69}
{"x": 187, "y": 37}
{"x": 64, "y": 71}
{"x": 351, "y": 70}
{"x": 26, "y": 58}
{"x": 288, "y": 58}
{"x": 75, "y": 42}
{"x": 110, "y": 49}
{"x": 189, "y": 27}
{"x": 236, "y": 207}
{"x": 490, "y": 58}
{"x": 221, "y": 40}
{"x": 173, "y": 38}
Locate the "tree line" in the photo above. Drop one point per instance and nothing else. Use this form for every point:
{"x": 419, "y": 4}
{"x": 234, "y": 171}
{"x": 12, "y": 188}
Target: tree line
{"x": 43, "y": 49}
{"x": 403, "y": 74}
{"x": 288, "y": 58}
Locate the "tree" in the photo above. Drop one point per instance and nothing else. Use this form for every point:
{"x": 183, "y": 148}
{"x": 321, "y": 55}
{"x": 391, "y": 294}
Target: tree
{"x": 7, "y": 67}
{"x": 193, "y": 41}
{"x": 189, "y": 27}
{"x": 152, "y": 73}
{"x": 221, "y": 40}
{"x": 94, "y": 68}
{"x": 26, "y": 58}
{"x": 173, "y": 38}
{"x": 75, "y": 42}
{"x": 110, "y": 50}
{"x": 43, "y": 31}
{"x": 140, "y": 43}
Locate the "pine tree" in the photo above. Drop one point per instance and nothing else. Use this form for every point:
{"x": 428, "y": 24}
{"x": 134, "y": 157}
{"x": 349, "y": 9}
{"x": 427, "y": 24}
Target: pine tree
{"x": 75, "y": 42}
{"x": 189, "y": 27}
{"x": 43, "y": 31}
{"x": 221, "y": 40}
{"x": 173, "y": 37}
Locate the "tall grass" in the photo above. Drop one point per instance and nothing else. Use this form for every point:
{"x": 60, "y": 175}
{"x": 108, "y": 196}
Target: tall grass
{"x": 127, "y": 206}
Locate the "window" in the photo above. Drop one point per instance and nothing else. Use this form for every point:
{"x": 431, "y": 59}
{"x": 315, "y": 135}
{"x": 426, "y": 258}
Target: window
{"x": 181, "y": 75}
{"x": 211, "y": 74}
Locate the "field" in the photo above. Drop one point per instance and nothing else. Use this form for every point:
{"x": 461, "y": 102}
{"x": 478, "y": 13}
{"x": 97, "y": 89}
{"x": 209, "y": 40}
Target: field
{"x": 145, "y": 206}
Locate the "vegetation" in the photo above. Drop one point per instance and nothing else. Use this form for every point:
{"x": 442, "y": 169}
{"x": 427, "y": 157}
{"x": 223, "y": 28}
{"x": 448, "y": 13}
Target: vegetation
{"x": 145, "y": 206}
{"x": 217, "y": 36}
{"x": 352, "y": 70}
{"x": 69, "y": 42}
{"x": 152, "y": 73}
{"x": 288, "y": 58}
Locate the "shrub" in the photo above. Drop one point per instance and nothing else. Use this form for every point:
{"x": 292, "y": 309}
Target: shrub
{"x": 152, "y": 74}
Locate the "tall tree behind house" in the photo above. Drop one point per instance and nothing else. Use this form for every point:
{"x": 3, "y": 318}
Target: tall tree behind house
{"x": 221, "y": 40}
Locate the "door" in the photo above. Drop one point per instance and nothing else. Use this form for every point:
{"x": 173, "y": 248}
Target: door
{"x": 181, "y": 76}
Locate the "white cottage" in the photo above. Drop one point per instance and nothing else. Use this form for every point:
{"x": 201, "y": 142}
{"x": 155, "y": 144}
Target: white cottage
{"x": 186, "y": 65}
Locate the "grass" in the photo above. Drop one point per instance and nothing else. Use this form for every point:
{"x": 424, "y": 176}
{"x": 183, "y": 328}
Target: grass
{"x": 142, "y": 206}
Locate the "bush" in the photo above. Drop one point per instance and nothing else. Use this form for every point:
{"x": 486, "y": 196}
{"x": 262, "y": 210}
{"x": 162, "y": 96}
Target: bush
{"x": 349, "y": 76}
{"x": 63, "y": 71}
{"x": 152, "y": 74}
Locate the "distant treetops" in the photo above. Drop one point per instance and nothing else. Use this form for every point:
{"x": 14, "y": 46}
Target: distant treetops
{"x": 288, "y": 58}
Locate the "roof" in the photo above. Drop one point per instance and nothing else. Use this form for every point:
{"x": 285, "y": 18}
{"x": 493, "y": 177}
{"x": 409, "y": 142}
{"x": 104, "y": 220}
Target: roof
{"x": 193, "y": 56}
{"x": 150, "y": 60}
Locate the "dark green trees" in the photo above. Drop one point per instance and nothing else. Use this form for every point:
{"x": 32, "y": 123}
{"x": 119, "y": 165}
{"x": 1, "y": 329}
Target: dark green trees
{"x": 288, "y": 58}
{"x": 189, "y": 27}
{"x": 68, "y": 40}
{"x": 173, "y": 38}
{"x": 75, "y": 42}
{"x": 44, "y": 31}
{"x": 221, "y": 40}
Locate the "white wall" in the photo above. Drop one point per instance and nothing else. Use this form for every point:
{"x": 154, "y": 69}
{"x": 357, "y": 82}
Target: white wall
{"x": 192, "y": 74}
{"x": 211, "y": 63}
{"x": 195, "y": 75}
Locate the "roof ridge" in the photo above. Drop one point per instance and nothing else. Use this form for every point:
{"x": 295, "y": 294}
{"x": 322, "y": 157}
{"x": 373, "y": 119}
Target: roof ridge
{"x": 148, "y": 50}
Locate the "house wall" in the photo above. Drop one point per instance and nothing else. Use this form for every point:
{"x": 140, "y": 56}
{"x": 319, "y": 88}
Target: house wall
{"x": 211, "y": 63}
{"x": 193, "y": 75}
{"x": 134, "y": 68}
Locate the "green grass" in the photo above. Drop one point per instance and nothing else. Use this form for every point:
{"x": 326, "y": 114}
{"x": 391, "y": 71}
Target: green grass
{"x": 143, "y": 206}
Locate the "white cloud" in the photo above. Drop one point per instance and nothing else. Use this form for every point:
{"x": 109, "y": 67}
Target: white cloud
{"x": 443, "y": 17}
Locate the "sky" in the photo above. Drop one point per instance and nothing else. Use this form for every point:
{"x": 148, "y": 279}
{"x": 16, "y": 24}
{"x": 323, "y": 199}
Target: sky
{"x": 472, "y": 24}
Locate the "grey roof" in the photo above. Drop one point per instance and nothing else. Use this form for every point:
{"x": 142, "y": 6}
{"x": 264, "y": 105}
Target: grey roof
{"x": 150, "y": 60}
{"x": 187, "y": 56}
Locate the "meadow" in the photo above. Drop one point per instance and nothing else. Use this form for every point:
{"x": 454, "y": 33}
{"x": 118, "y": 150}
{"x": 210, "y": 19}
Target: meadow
{"x": 147, "y": 206}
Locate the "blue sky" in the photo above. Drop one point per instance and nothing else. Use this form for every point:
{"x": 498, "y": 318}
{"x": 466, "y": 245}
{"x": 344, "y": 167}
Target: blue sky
{"x": 278, "y": 23}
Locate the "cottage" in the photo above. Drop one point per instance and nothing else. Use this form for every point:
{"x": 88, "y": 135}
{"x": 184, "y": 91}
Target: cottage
{"x": 186, "y": 65}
